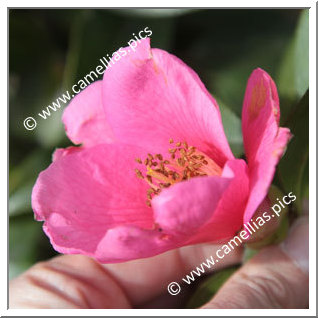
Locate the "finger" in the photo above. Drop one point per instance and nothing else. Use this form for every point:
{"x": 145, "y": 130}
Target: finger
{"x": 68, "y": 281}
{"x": 75, "y": 281}
{"x": 277, "y": 277}
{"x": 151, "y": 276}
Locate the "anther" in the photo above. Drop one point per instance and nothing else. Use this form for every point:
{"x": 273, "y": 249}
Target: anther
{"x": 139, "y": 174}
{"x": 186, "y": 162}
{"x": 181, "y": 162}
{"x": 159, "y": 156}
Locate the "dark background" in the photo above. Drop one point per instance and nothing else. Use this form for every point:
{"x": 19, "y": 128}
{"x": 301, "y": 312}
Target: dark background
{"x": 50, "y": 50}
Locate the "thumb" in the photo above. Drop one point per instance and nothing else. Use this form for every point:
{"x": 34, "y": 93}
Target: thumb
{"x": 277, "y": 277}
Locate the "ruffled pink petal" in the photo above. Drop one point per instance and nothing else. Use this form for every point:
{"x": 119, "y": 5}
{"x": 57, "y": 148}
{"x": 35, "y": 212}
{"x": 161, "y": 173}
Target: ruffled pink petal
{"x": 84, "y": 118}
{"x": 179, "y": 213}
{"x": 227, "y": 220}
{"x": 61, "y": 152}
{"x": 202, "y": 209}
{"x": 151, "y": 96}
{"x": 85, "y": 193}
{"x": 185, "y": 207}
{"x": 264, "y": 141}
{"x": 205, "y": 209}
{"x": 125, "y": 243}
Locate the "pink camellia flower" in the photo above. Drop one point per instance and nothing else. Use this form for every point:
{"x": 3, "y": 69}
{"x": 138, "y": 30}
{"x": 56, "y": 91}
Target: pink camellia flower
{"x": 154, "y": 170}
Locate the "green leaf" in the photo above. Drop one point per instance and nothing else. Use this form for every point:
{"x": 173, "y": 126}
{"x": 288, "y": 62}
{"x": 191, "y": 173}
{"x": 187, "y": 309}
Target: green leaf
{"x": 210, "y": 287}
{"x": 230, "y": 82}
{"x": 305, "y": 182}
{"x": 50, "y": 132}
{"x": 20, "y": 200}
{"x": 249, "y": 253}
{"x": 153, "y": 13}
{"x": 27, "y": 243}
{"x": 293, "y": 77}
{"x": 28, "y": 169}
{"x": 79, "y": 22}
{"x": 278, "y": 236}
{"x": 232, "y": 128}
{"x": 282, "y": 232}
{"x": 302, "y": 54}
{"x": 292, "y": 169}
{"x": 24, "y": 233}
{"x": 35, "y": 82}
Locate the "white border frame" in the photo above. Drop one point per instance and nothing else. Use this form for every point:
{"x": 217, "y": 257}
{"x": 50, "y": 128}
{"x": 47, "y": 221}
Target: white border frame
{"x": 312, "y": 160}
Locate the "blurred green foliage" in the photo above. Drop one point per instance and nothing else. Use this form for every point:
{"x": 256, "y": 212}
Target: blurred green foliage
{"x": 293, "y": 169}
{"x": 52, "y": 49}
{"x": 209, "y": 287}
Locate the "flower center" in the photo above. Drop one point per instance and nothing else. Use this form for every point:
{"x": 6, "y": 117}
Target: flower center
{"x": 185, "y": 162}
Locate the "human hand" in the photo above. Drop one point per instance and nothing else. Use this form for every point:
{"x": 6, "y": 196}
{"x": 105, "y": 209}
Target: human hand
{"x": 277, "y": 277}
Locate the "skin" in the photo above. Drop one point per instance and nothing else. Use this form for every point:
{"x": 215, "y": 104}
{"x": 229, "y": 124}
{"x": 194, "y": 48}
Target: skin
{"x": 277, "y": 277}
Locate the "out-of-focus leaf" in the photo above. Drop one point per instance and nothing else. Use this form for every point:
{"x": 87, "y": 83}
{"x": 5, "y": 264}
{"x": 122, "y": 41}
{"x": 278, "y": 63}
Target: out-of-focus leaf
{"x": 210, "y": 287}
{"x": 28, "y": 169}
{"x": 17, "y": 268}
{"x": 27, "y": 243}
{"x": 278, "y": 236}
{"x": 248, "y": 253}
{"x": 36, "y": 63}
{"x": 232, "y": 128}
{"x": 20, "y": 200}
{"x": 153, "y": 13}
{"x": 50, "y": 132}
{"x": 23, "y": 235}
{"x": 305, "y": 182}
{"x": 73, "y": 53}
{"x": 292, "y": 171}
{"x": 258, "y": 42}
{"x": 293, "y": 77}
{"x": 302, "y": 54}
{"x": 285, "y": 82}
{"x": 230, "y": 82}
{"x": 282, "y": 232}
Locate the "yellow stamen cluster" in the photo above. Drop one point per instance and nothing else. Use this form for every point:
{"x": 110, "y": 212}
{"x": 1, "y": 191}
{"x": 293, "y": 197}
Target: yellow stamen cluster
{"x": 185, "y": 162}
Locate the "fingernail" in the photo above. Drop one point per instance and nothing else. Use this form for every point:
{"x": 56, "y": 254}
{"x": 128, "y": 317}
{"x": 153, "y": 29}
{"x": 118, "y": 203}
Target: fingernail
{"x": 296, "y": 246}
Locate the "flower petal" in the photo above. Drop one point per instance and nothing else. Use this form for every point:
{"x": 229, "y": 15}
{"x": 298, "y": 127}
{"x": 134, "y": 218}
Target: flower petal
{"x": 179, "y": 212}
{"x": 195, "y": 211}
{"x": 61, "y": 152}
{"x": 264, "y": 141}
{"x": 85, "y": 119}
{"x": 185, "y": 207}
{"x": 152, "y": 96}
{"x": 227, "y": 220}
{"x": 126, "y": 242}
{"x": 205, "y": 209}
{"x": 85, "y": 193}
